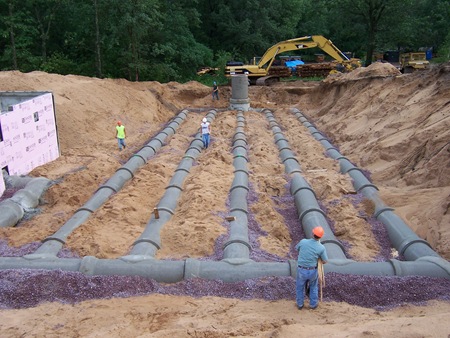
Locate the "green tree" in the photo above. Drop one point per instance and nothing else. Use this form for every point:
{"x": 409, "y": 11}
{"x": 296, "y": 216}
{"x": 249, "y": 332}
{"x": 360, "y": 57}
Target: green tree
{"x": 246, "y": 28}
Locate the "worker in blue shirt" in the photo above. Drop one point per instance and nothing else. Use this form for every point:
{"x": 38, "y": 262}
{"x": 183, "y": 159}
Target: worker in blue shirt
{"x": 309, "y": 252}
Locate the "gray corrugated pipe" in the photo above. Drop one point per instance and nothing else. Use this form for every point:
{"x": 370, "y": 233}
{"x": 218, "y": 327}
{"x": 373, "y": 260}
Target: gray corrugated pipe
{"x": 149, "y": 242}
{"x": 53, "y": 244}
{"x": 13, "y": 209}
{"x": 402, "y": 238}
{"x": 309, "y": 211}
{"x": 164, "y": 271}
{"x": 174, "y": 271}
{"x": 238, "y": 245}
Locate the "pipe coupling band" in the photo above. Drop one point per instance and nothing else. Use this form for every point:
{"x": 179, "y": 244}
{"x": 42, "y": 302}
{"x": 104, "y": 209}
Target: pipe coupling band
{"x": 147, "y": 241}
{"x": 170, "y": 211}
{"x": 379, "y": 212}
{"x": 149, "y": 146}
{"x": 237, "y": 241}
{"x": 141, "y": 157}
{"x": 370, "y": 185}
{"x": 106, "y": 186}
{"x": 311, "y": 210}
{"x": 84, "y": 209}
{"x": 126, "y": 169}
{"x": 53, "y": 239}
{"x": 302, "y": 188}
{"x": 407, "y": 243}
{"x": 333, "y": 241}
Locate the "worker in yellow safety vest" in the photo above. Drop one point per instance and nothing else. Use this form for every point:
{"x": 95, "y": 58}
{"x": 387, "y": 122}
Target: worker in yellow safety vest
{"x": 120, "y": 135}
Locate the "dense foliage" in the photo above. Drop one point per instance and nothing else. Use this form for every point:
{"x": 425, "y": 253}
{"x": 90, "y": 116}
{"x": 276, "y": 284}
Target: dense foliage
{"x": 168, "y": 40}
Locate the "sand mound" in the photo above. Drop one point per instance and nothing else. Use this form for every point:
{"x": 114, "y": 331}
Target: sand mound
{"x": 377, "y": 69}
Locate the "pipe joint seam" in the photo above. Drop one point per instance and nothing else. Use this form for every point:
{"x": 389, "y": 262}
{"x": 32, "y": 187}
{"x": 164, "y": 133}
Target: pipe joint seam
{"x": 194, "y": 148}
{"x": 379, "y": 212}
{"x": 439, "y": 261}
{"x": 333, "y": 241}
{"x": 370, "y": 185}
{"x": 141, "y": 157}
{"x": 54, "y": 239}
{"x": 293, "y": 266}
{"x": 239, "y": 139}
{"x": 170, "y": 211}
{"x": 285, "y": 148}
{"x": 182, "y": 169}
{"x": 306, "y": 188}
{"x": 239, "y": 146}
{"x": 126, "y": 169}
{"x": 144, "y": 240}
{"x": 354, "y": 169}
{"x": 84, "y": 209}
{"x": 295, "y": 171}
{"x": 237, "y": 241}
{"x": 304, "y": 213}
{"x": 239, "y": 209}
{"x": 239, "y": 186}
{"x": 407, "y": 243}
{"x": 241, "y": 171}
{"x": 174, "y": 186}
{"x": 189, "y": 156}
{"x": 241, "y": 156}
{"x": 157, "y": 139}
{"x": 106, "y": 186}
{"x": 149, "y": 146}
{"x": 173, "y": 129}
{"x": 290, "y": 158}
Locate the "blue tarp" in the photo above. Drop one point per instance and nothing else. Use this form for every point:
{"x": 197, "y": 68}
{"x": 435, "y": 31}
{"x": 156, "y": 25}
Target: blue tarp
{"x": 292, "y": 64}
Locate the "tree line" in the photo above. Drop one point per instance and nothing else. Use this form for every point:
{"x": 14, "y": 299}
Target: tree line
{"x": 169, "y": 40}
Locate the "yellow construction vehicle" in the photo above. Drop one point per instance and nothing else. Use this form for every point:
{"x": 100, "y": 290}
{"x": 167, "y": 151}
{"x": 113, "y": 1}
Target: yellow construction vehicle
{"x": 207, "y": 70}
{"x": 258, "y": 73}
{"x": 410, "y": 62}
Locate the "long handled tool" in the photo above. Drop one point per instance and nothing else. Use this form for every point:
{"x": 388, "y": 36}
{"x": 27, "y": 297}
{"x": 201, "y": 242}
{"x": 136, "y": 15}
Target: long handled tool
{"x": 321, "y": 277}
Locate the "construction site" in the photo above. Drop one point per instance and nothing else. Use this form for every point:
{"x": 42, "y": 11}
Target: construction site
{"x": 166, "y": 237}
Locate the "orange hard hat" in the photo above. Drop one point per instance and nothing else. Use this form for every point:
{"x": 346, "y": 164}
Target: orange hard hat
{"x": 119, "y": 123}
{"x": 318, "y": 232}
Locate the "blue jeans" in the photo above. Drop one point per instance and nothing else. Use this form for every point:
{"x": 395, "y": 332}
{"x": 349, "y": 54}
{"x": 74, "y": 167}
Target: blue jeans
{"x": 205, "y": 138}
{"x": 215, "y": 95}
{"x": 121, "y": 142}
{"x": 302, "y": 277}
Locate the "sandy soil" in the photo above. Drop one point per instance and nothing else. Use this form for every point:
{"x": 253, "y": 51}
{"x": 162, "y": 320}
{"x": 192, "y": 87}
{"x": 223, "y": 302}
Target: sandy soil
{"x": 395, "y": 126}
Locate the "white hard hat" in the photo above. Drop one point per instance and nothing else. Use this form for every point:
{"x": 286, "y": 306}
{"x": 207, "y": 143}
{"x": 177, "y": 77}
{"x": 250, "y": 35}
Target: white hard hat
{"x": 204, "y": 119}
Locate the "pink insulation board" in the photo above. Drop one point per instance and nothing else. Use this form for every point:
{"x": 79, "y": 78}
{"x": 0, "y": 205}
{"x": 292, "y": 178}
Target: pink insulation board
{"x": 29, "y": 135}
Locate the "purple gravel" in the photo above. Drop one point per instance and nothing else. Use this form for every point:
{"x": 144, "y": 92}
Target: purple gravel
{"x": 378, "y": 229}
{"x": 27, "y": 288}
{"x": 7, "y": 251}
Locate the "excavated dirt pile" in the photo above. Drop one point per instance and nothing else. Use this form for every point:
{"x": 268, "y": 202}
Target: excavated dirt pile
{"x": 396, "y": 127}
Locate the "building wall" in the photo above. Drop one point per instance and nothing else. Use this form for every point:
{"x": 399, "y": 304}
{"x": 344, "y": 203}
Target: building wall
{"x": 29, "y": 135}
{"x": 2, "y": 183}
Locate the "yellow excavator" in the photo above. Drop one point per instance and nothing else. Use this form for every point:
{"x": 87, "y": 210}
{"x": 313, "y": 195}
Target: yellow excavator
{"x": 259, "y": 73}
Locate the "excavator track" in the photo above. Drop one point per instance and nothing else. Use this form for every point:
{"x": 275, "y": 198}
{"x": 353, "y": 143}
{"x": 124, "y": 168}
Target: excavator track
{"x": 267, "y": 80}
